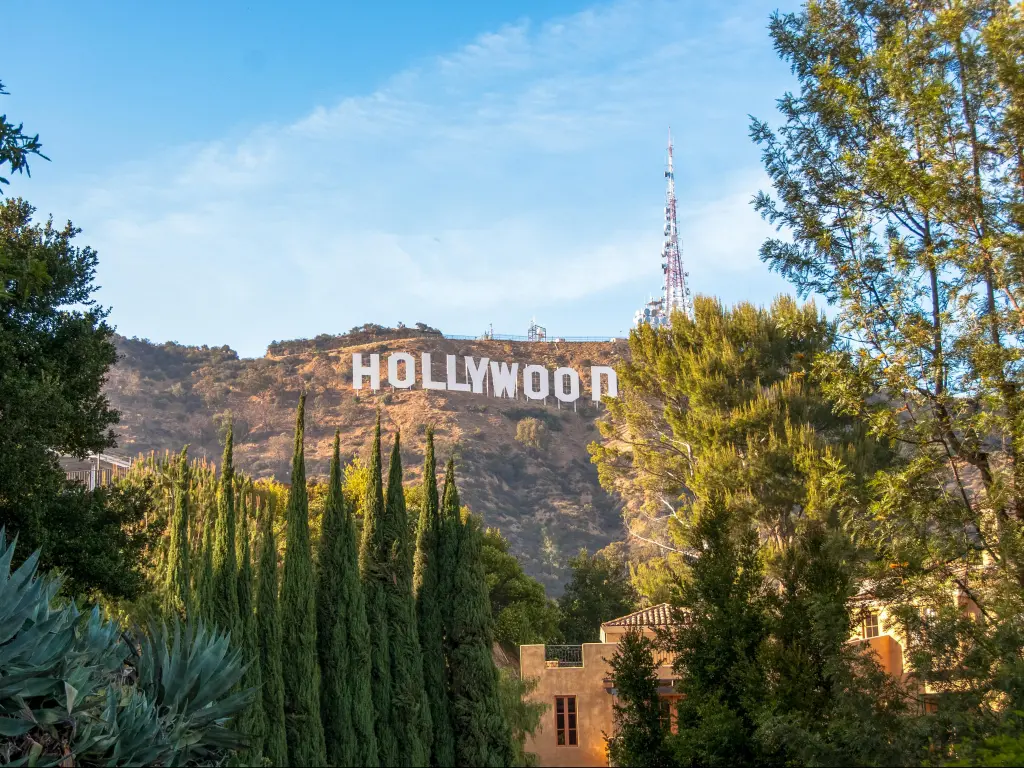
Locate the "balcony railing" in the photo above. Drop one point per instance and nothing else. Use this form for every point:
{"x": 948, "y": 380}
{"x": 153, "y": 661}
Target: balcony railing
{"x": 563, "y": 655}
{"x": 92, "y": 478}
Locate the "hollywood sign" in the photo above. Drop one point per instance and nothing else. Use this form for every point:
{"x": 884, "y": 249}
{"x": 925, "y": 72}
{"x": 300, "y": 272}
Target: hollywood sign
{"x": 483, "y": 374}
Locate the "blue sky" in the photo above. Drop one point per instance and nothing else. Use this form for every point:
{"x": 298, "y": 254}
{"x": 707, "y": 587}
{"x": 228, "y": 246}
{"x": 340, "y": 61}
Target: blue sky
{"x": 259, "y": 171}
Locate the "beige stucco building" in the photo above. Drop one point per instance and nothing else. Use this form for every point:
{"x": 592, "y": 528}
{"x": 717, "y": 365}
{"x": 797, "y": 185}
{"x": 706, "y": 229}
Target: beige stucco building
{"x": 575, "y": 681}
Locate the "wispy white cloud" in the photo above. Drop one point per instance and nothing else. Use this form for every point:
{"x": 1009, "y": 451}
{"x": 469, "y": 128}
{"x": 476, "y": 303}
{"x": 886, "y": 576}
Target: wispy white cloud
{"x": 516, "y": 175}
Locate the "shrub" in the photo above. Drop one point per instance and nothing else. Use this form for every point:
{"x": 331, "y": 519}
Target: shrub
{"x": 532, "y": 432}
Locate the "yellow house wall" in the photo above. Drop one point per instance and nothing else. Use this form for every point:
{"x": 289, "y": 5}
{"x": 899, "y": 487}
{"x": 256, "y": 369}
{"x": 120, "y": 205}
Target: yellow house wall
{"x": 593, "y": 705}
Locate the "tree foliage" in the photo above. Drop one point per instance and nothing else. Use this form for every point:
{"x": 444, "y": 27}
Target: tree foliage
{"x": 429, "y": 615}
{"x": 639, "y": 738}
{"x": 897, "y": 175}
{"x": 56, "y": 348}
{"x": 598, "y": 590}
{"x": 410, "y": 708}
{"x": 225, "y": 556}
{"x": 373, "y": 570}
{"x": 522, "y": 611}
{"x": 343, "y": 635}
{"x": 253, "y": 722}
{"x": 268, "y": 636}
{"x": 483, "y": 736}
{"x": 16, "y": 147}
{"x": 728, "y": 402}
{"x": 178, "y": 585}
{"x": 298, "y": 620}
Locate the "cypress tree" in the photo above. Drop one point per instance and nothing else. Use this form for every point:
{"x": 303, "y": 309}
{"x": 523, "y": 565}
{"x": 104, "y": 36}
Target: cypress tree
{"x": 225, "y": 559}
{"x": 426, "y": 586}
{"x": 253, "y": 720}
{"x": 353, "y": 615}
{"x": 409, "y": 707}
{"x": 373, "y": 572}
{"x": 298, "y": 619}
{"x": 332, "y": 649}
{"x": 268, "y": 635}
{"x": 639, "y": 738}
{"x": 448, "y": 554}
{"x": 177, "y": 587}
{"x": 203, "y": 601}
{"x": 482, "y": 735}
{"x": 343, "y": 636}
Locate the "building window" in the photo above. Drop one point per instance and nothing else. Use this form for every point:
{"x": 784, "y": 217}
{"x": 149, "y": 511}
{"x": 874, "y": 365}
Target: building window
{"x": 667, "y": 712}
{"x": 565, "y": 721}
{"x": 870, "y": 624}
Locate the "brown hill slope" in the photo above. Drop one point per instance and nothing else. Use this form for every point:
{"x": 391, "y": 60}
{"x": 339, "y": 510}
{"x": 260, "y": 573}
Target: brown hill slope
{"x": 545, "y": 499}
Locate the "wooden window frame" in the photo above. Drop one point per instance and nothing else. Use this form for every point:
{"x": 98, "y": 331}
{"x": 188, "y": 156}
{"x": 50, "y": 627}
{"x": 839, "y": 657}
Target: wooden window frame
{"x": 871, "y": 620}
{"x": 668, "y": 712}
{"x": 567, "y": 720}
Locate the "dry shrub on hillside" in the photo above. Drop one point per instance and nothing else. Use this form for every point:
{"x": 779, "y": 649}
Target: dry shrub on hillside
{"x": 532, "y": 432}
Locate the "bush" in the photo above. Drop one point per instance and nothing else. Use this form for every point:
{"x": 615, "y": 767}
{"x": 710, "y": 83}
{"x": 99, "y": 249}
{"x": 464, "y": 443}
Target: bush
{"x": 550, "y": 419}
{"x": 532, "y": 432}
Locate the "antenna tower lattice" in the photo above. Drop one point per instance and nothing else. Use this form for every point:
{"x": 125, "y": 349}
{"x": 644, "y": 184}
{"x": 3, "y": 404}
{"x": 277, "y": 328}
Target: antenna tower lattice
{"x": 675, "y": 294}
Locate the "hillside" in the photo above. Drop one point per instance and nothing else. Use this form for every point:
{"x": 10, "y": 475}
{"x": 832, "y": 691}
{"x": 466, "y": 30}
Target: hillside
{"x": 544, "y": 498}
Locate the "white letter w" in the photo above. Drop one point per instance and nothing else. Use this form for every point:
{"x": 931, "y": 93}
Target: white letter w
{"x": 503, "y": 380}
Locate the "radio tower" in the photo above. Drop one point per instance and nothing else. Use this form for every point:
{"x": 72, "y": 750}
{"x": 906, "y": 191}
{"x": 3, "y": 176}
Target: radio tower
{"x": 676, "y": 294}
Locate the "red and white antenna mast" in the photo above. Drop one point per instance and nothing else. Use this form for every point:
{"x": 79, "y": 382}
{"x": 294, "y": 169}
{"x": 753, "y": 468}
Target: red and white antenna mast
{"x": 676, "y": 295}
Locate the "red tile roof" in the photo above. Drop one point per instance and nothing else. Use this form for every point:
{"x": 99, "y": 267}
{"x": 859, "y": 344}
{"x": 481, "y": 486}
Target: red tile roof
{"x": 655, "y": 616}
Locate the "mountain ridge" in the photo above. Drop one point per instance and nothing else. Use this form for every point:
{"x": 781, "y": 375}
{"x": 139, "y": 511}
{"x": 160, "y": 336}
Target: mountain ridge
{"x": 539, "y": 489}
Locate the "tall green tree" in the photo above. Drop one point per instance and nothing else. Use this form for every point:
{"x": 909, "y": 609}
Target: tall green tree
{"x": 343, "y": 635}
{"x": 57, "y": 349}
{"x": 430, "y": 624}
{"x": 298, "y": 620}
{"x": 522, "y": 712}
{"x": 332, "y": 649}
{"x": 716, "y": 648}
{"x": 269, "y": 638}
{"x": 827, "y": 701}
{"x": 727, "y": 400}
{"x": 225, "y": 556}
{"x": 598, "y": 590}
{"x": 253, "y": 721}
{"x": 759, "y": 474}
{"x": 639, "y": 738}
{"x": 482, "y": 734}
{"x": 410, "y": 710}
{"x": 523, "y": 613}
{"x": 897, "y": 179}
{"x": 177, "y": 584}
{"x": 374, "y": 570}
{"x": 203, "y": 599}
{"x": 448, "y": 550}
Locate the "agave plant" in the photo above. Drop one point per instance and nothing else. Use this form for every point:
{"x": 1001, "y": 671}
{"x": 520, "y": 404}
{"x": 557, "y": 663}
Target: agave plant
{"x": 76, "y": 689}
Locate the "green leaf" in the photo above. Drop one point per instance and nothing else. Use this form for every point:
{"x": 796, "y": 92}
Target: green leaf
{"x": 10, "y": 726}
